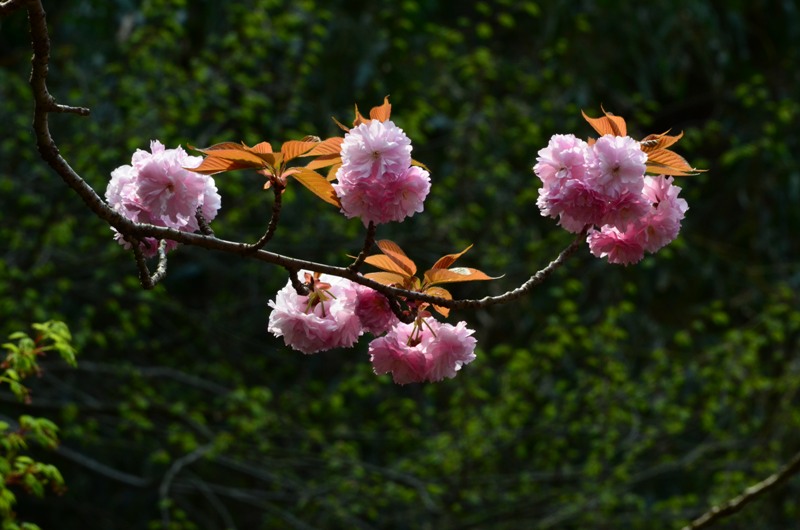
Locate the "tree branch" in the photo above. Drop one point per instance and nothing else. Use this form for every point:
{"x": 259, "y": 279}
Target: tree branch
{"x": 747, "y": 496}
{"x": 172, "y": 472}
{"x": 9, "y": 6}
{"x": 149, "y": 281}
{"x": 102, "y": 469}
{"x": 277, "y": 189}
{"x": 45, "y": 103}
{"x": 369, "y": 240}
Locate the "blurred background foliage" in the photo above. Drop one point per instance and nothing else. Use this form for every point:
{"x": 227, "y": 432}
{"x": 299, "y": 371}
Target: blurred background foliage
{"x": 612, "y": 398}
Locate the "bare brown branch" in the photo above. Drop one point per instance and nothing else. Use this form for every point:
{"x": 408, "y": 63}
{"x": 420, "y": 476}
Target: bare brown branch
{"x": 274, "y": 218}
{"x": 752, "y": 493}
{"x": 9, "y": 6}
{"x": 45, "y": 104}
{"x": 369, "y": 240}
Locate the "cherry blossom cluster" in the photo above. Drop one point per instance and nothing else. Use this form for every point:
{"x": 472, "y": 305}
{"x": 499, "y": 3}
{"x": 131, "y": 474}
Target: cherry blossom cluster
{"x": 603, "y": 186}
{"x": 336, "y": 312}
{"x": 597, "y": 187}
{"x": 156, "y": 189}
{"x": 377, "y": 181}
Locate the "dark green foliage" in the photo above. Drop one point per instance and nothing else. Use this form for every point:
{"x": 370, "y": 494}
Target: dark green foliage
{"x": 613, "y": 398}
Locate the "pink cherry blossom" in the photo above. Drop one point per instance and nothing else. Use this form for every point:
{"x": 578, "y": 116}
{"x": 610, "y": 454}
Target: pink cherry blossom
{"x": 575, "y": 201}
{"x": 619, "y": 247}
{"x": 373, "y": 311}
{"x": 385, "y": 197}
{"x": 624, "y": 209}
{"x": 453, "y": 348}
{"x": 312, "y": 327}
{"x": 618, "y": 165}
{"x": 663, "y": 221}
{"x": 376, "y": 181}
{"x": 393, "y": 354}
{"x": 565, "y": 157}
{"x": 376, "y": 148}
{"x": 426, "y": 350}
{"x": 657, "y": 227}
{"x": 156, "y": 189}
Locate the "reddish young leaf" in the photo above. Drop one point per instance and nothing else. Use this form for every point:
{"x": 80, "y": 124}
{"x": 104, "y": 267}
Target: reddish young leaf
{"x": 383, "y": 112}
{"x": 441, "y": 293}
{"x": 213, "y": 165}
{"x": 397, "y": 255}
{"x": 666, "y": 162}
{"x": 445, "y": 261}
{"x": 324, "y": 161}
{"x": 359, "y": 118}
{"x": 294, "y": 148}
{"x": 420, "y": 164}
{"x": 386, "y": 263}
{"x": 218, "y": 147}
{"x": 261, "y": 148}
{"x": 652, "y": 142}
{"x": 333, "y": 172}
{"x": 329, "y": 146}
{"x": 342, "y": 126}
{"x": 260, "y": 155}
{"x": 608, "y": 124}
{"x": 456, "y": 274}
{"x": 317, "y": 184}
{"x": 387, "y": 278}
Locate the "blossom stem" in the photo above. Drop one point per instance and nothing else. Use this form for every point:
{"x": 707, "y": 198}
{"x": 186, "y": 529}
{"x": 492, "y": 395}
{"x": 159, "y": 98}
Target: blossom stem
{"x": 149, "y": 281}
{"x": 299, "y": 287}
{"x": 369, "y": 240}
{"x": 277, "y": 190}
{"x": 202, "y": 223}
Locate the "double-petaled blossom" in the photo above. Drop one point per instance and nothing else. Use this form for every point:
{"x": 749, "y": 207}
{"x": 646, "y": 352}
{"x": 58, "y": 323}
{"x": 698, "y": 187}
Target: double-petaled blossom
{"x": 617, "y": 165}
{"x": 425, "y": 350}
{"x": 321, "y": 320}
{"x": 603, "y": 188}
{"x": 376, "y": 181}
{"x": 156, "y": 189}
{"x": 655, "y": 229}
{"x": 373, "y": 311}
{"x": 663, "y": 221}
{"x": 587, "y": 185}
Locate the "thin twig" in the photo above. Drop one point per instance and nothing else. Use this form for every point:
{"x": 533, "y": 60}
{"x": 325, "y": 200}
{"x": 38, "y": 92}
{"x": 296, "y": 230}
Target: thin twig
{"x": 149, "y": 281}
{"x": 133, "y": 370}
{"x": 172, "y": 472}
{"x": 205, "y": 229}
{"x": 273, "y": 220}
{"x": 103, "y": 469}
{"x": 48, "y": 150}
{"x": 299, "y": 287}
{"x": 747, "y": 496}
{"x": 9, "y": 6}
{"x": 369, "y": 240}
{"x": 214, "y": 501}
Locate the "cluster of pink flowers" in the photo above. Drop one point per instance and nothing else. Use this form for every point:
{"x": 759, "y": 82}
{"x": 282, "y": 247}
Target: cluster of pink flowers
{"x": 335, "y": 314}
{"x": 156, "y": 189}
{"x": 425, "y": 350}
{"x": 376, "y": 181}
{"x": 603, "y": 186}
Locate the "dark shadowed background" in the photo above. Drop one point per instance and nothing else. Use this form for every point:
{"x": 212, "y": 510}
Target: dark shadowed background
{"x": 611, "y": 398}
